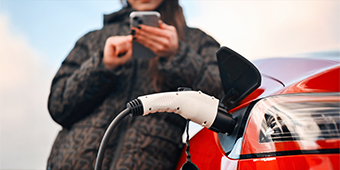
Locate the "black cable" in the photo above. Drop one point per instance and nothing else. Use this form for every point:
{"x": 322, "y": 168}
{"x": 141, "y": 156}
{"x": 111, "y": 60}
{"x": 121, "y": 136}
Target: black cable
{"x": 103, "y": 143}
{"x": 187, "y": 142}
{"x": 135, "y": 108}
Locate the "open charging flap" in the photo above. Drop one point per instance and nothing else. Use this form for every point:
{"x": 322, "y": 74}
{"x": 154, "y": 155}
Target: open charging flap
{"x": 238, "y": 75}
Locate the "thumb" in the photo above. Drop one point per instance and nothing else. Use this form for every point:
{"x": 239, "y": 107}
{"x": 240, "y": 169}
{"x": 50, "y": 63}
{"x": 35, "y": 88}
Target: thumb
{"x": 161, "y": 24}
{"x": 124, "y": 45}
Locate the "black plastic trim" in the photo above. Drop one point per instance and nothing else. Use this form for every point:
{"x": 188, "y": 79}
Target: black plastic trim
{"x": 239, "y": 76}
{"x": 292, "y": 152}
{"x": 224, "y": 122}
{"x": 241, "y": 116}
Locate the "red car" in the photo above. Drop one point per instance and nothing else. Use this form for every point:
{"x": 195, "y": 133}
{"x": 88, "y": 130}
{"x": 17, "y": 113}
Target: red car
{"x": 287, "y": 117}
{"x": 281, "y": 113}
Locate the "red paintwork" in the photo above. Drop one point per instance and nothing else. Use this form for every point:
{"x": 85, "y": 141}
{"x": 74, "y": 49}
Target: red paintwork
{"x": 303, "y": 75}
{"x": 317, "y": 83}
{"x": 279, "y": 76}
{"x": 198, "y": 147}
{"x": 296, "y": 162}
{"x": 291, "y": 70}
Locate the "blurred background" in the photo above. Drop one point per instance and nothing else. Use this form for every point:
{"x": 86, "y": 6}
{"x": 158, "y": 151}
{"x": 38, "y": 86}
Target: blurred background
{"x": 36, "y": 36}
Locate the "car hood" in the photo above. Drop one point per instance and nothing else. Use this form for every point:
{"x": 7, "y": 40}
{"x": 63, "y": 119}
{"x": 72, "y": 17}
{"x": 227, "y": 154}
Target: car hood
{"x": 291, "y": 70}
{"x": 287, "y": 71}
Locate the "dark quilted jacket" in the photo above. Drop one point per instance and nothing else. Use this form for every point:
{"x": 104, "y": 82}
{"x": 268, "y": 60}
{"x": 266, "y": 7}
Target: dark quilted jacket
{"x": 85, "y": 96}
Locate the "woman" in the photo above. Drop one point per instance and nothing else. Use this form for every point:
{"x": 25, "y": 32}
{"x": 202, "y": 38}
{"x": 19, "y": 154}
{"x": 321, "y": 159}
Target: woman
{"x": 100, "y": 76}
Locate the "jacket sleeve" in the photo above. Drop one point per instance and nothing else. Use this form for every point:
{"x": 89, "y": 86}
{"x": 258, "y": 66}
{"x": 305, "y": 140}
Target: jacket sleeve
{"x": 80, "y": 84}
{"x": 197, "y": 69}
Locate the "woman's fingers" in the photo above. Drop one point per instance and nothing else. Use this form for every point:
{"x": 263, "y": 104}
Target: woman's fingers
{"x": 120, "y": 44}
{"x": 117, "y": 51}
{"x": 152, "y": 44}
{"x": 163, "y": 41}
{"x": 151, "y": 38}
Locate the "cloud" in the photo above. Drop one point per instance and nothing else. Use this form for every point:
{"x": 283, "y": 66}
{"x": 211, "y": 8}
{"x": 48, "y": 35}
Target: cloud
{"x": 260, "y": 29}
{"x": 26, "y": 130}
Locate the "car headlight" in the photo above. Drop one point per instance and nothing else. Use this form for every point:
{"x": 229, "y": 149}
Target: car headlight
{"x": 301, "y": 117}
{"x": 293, "y": 122}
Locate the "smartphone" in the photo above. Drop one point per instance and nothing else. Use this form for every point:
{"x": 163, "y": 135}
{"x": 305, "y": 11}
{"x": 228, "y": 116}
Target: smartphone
{"x": 149, "y": 18}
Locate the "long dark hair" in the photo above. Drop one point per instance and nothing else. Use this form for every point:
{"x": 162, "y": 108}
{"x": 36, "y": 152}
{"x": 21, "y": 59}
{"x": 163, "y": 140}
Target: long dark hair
{"x": 172, "y": 14}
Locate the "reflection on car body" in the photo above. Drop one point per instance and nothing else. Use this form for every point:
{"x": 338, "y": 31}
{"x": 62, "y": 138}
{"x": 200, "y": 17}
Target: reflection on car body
{"x": 291, "y": 121}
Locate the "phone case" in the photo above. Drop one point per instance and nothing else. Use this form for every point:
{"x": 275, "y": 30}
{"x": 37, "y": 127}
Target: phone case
{"x": 149, "y": 18}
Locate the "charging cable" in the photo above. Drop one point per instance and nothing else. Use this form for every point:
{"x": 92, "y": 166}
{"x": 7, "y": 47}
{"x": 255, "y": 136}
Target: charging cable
{"x": 194, "y": 105}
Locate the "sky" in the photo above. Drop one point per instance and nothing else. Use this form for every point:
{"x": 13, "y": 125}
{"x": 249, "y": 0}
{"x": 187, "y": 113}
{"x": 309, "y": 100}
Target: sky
{"x": 36, "y": 36}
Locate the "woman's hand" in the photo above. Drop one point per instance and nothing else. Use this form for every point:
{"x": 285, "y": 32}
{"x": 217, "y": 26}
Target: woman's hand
{"x": 163, "y": 41}
{"x": 117, "y": 51}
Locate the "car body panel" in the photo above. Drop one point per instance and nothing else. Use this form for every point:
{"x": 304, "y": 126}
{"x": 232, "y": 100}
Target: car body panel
{"x": 279, "y": 76}
{"x": 292, "y": 70}
{"x": 204, "y": 153}
{"x": 294, "y": 162}
{"x": 317, "y": 82}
